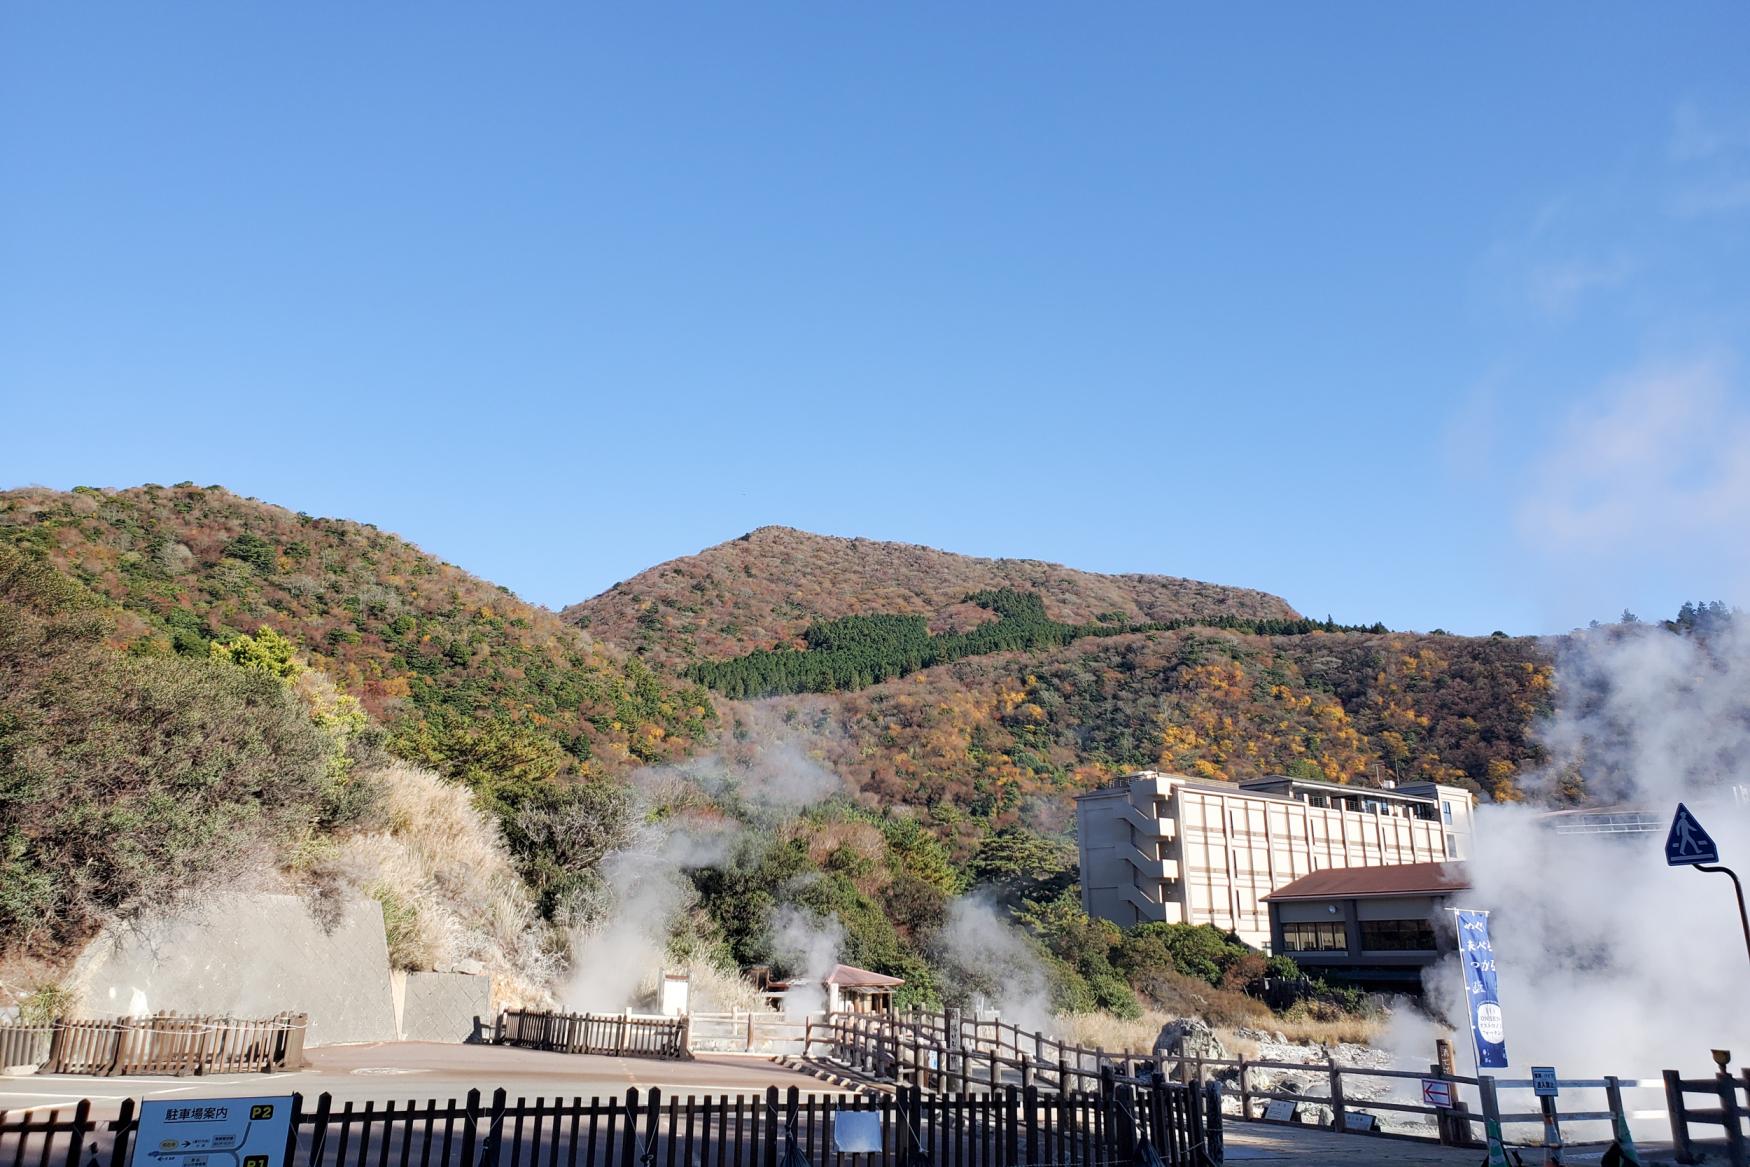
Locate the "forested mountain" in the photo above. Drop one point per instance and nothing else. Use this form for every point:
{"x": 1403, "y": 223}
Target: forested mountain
{"x": 766, "y": 588}
{"x": 972, "y": 687}
{"x": 455, "y": 666}
{"x": 181, "y": 661}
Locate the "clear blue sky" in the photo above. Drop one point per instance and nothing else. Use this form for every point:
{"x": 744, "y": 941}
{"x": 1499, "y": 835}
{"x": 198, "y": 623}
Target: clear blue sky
{"x": 1434, "y": 315}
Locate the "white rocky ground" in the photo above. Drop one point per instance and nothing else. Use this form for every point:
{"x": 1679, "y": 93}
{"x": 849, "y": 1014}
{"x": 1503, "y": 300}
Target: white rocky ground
{"x": 1312, "y": 1083}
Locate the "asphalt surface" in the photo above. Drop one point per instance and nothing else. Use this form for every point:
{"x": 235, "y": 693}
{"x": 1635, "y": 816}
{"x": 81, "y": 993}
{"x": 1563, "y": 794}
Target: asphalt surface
{"x": 400, "y": 1071}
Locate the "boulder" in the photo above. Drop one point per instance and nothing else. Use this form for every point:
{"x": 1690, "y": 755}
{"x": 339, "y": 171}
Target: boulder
{"x": 1189, "y": 1037}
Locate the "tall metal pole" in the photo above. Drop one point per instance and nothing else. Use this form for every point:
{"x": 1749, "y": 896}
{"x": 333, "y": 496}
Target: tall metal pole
{"x": 1743, "y": 916}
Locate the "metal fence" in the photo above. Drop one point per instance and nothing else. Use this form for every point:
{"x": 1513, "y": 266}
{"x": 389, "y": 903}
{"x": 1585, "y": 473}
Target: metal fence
{"x": 1143, "y": 1122}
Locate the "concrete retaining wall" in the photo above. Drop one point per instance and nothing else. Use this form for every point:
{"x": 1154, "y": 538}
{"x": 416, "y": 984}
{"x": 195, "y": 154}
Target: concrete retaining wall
{"x": 247, "y": 956}
{"x": 445, "y": 1007}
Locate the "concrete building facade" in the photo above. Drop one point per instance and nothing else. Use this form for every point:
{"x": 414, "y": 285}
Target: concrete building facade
{"x": 1168, "y": 848}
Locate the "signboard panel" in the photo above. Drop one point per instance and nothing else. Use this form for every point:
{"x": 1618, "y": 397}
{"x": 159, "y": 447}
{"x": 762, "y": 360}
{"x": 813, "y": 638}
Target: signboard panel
{"x": 213, "y": 1132}
{"x": 1279, "y": 1111}
{"x": 1476, "y": 957}
{"x": 1543, "y": 1081}
{"x": 1358, "y": 1122}
{"x": 1436, "y": 1093}
{"x": 856, "y": 1132}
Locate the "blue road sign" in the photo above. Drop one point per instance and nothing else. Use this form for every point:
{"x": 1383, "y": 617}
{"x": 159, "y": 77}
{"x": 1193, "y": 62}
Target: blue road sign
{"x": 1688, "y": 843}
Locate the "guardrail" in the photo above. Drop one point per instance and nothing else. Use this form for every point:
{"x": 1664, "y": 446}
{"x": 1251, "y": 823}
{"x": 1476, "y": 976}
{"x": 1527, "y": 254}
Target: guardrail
{"x": 167, "y": 1043}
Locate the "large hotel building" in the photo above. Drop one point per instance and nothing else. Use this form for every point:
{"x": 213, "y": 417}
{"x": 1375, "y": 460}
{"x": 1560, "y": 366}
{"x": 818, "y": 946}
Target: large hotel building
{"x": 1175, "y": 849}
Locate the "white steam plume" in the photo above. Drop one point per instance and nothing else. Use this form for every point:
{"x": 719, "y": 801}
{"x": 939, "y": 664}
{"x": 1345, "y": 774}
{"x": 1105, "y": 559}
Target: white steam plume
{"x": 765, "y": 769}
{"x": 1610, "y": 961}
{"x": 810, "y": 944}
{"x": 986, "y": 962}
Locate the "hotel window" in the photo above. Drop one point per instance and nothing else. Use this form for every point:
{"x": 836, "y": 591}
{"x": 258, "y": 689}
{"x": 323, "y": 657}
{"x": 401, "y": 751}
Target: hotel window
{"x": 1446, "y": 812}
{"x": 1452, "y": 846}
{"x": 1397, "y": 936}
{"x": 1314, "y": 938}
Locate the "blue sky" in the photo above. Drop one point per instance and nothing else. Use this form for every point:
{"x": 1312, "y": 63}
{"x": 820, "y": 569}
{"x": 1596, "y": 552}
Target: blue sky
{"x": 1433, "y": 316}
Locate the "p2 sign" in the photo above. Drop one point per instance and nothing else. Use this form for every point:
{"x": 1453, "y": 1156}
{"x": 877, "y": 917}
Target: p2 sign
{"x": 213, "y": 1132}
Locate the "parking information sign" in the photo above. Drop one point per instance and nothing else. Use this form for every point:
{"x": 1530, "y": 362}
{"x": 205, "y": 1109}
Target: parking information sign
{"x": 213, "y": 1132}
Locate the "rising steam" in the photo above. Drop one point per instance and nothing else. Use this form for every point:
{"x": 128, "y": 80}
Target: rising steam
{"x": 1612, "y": 962}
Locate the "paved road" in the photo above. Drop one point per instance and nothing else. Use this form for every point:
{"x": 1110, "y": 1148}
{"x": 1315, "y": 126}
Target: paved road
{"x": 1262, "y": 1142}
{"x": 398, "y": 1071}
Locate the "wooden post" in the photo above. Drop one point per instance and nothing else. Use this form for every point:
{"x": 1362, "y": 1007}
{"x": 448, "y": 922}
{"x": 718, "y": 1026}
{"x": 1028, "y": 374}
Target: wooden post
{"x": 1729, "y": 1112}
{"x": 1011, "y": 1126}
{"x": 1030, "y": 1099}
{"x": 1683, "y": 1150}
{"x": 468, "y": 1127}
{"x": 1245, "y": 1090}
{"x": 771, "y": 1148}
{"x": 1339, "y": 1116}
{"x": 1613, "y": 1103}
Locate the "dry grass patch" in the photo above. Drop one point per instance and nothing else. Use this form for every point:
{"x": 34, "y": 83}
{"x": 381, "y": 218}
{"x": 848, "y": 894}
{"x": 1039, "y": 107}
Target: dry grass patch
{"x": 449, "y": 893}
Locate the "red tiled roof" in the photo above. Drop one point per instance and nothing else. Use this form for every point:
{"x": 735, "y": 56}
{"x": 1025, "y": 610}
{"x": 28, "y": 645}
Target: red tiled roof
{"x": 1402, "y": 879}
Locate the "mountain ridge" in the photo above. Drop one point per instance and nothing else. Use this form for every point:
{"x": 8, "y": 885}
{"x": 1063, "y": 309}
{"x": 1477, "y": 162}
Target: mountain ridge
{"x": 764, "y": 588}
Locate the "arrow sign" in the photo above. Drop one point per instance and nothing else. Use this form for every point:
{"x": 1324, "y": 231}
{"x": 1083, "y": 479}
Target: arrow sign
{"x": 1688, "y": 844}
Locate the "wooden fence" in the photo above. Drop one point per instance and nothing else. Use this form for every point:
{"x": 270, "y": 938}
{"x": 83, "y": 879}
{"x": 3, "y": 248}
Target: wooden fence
{"x": 1143, "y": 1122}
{"x": 165, "y": 1044}
{"x": 619, "y": 1034}
{"x": 949, "y": 1051}
{"x": 1730, "y": 1115}
{"x": 759, "y": 1031}
{"x": 1355, "y": 1109}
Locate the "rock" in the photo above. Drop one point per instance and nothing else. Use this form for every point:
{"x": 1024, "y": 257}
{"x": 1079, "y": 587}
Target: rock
{"x": 1189, "y": 1037}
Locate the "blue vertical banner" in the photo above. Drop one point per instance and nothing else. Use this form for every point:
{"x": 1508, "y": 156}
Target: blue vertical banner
{"x": 1476, "y": 955}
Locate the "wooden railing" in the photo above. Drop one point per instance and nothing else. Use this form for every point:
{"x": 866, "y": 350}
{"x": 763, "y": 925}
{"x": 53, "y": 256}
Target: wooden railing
{"x": 948, "y": 1051}
{"x": 164, "y": 1044}
{"x": 1127, "y": 1123}
{"x": 760, "y": 1031}
{"x": 618, "y": 1034}
{"x": 1353, "y": 1111}
{"x": 1730, "y": 1115}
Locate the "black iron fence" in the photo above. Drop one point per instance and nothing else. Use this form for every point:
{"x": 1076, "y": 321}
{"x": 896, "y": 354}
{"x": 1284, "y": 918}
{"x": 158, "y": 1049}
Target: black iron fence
{"x": 1140, "y": 1122}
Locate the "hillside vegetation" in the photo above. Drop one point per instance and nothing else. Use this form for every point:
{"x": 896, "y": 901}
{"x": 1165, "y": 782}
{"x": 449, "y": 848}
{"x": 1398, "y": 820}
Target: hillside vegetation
{"x": 463, "y": 672}
{"x": 197, "y": 681}
{"x": 853, "y": 652}
{"x": 766, "y": 588}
